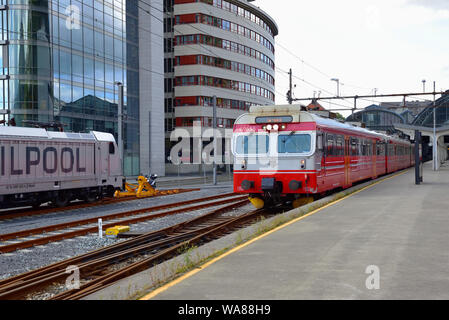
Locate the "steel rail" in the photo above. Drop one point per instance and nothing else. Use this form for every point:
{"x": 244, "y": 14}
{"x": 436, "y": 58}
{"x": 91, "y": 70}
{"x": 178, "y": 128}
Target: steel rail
{"x": 18, "y": 213}
{"x": 205, "y": 234}
{"x": 76, "y": 233}
{"x": 77, "y": 223}
{"x": 19, "y": 286}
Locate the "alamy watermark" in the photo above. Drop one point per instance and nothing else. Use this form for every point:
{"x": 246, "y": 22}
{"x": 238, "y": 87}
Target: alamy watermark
{"x": 373, "y": 280}
{"x": 198, "y": 145}
{"x": 73, "y": 280}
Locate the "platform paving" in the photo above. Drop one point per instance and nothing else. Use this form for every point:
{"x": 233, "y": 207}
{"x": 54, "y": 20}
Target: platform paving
{"x": 394, "y": 229}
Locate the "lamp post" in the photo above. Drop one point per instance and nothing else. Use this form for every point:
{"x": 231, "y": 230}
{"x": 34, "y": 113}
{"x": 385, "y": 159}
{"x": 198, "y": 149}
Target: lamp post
{"x": 435, "y": 142}
{"x": 214, "y": 123}
{"x": 338, "y": 85}
{"x": 120, "y": 122}
{"x": 423, "y": 86}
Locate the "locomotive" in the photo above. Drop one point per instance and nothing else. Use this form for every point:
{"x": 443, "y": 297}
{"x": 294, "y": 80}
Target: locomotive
{"x": 282, "y": 155}
{"x": 38, "y": 166}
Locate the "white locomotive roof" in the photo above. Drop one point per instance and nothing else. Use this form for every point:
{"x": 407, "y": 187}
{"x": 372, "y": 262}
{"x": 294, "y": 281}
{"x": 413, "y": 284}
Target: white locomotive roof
{"x": 23, "y": 132}
{"x": 70, "y": 135}
{"x": 44, "y": 134}
{"x": 103, "y": 136}
{"x": 304, "y": 116}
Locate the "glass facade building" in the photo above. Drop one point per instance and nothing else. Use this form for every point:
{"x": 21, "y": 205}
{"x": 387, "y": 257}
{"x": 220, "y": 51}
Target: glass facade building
{"x": 60, "y": 60}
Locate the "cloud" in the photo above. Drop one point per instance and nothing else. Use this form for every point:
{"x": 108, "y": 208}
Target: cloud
{"x": 433, "y": 4}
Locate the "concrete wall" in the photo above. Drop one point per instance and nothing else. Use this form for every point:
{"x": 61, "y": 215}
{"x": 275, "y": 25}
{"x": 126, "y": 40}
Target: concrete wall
{"x": 151, "y": 58}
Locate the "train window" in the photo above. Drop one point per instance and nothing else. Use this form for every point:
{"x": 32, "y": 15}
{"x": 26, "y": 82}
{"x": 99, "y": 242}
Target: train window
{"x": 252, "y": 144}
{"x": 363, "y": 142}
{"x": 111, "y": 148}
{"x": 330, "y": 145}
{"x": 380, "y": 148}
{"x": 294, "y": 143}
{"x": 391, "y": 150}
{"x": 354, "y": 147}
{"x": 366, "y": 147}
{"x": 319, "y": 142}
{"x": 339, "y": 151}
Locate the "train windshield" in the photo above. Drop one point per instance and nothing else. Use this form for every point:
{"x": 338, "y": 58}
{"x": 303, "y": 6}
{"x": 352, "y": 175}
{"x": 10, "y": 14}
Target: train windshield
{"x": 252, "y": 144}
{"x": 294, "y": 143}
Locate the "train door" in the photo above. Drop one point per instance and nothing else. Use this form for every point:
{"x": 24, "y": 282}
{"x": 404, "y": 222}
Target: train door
{"x": 103, "y": 160}
{"x": 387, "y": 158}
{"x": 319, "y": 155}
{"x": 374, "y": 157}
{"x": 347, "y": 161}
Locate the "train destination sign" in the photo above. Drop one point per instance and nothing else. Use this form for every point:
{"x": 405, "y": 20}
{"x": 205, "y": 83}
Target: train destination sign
{"x": 273, "y": 119}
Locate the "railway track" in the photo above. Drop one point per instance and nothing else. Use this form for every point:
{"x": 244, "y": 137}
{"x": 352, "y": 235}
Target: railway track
{"x": 103, "y": 267}
{"x": 39, "y": 236}
{"x": 27, "y": 212}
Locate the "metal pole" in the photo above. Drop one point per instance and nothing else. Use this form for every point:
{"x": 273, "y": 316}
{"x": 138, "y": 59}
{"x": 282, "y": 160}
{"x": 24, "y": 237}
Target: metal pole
{"x": 418, "y": 176}
{"x": 100, "y": 228}
{"x": 120, "y": 123}
{"x": 179, "y": 181}
{"x": 372, "y": 96}
{"x": 290, "y": 93}
{"x": 355, "y": 104}
{"x": 214, "y": 101}
{"x": 435, "y": 142}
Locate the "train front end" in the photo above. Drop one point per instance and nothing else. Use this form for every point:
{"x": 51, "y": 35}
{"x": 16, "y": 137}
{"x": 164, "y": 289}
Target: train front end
{"x": 275, "y": 156}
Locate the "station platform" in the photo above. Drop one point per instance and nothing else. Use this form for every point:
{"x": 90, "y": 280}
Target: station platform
{"x": 389, "y": 241}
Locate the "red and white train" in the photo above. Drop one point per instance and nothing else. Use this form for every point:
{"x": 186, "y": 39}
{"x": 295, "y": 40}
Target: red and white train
{"x": 283, "y": 154}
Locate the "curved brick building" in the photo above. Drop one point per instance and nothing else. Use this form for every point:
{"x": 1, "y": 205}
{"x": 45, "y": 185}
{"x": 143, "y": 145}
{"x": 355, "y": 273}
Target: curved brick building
{"x": 216, "y": 48}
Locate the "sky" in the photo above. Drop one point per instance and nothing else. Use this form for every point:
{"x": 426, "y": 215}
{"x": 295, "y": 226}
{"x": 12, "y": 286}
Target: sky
{"x": 390, "y": 45}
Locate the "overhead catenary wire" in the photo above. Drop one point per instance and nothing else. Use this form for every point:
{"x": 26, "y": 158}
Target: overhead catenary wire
{"x": 324, "y": 74}
{"x": 260, "y": 81}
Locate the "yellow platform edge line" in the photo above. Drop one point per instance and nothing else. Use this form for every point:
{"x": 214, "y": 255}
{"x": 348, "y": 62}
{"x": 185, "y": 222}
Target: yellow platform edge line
{"x": 207, "y": 264}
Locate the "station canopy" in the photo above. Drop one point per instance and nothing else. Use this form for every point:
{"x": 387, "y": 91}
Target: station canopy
{"x": 425, "y": 117}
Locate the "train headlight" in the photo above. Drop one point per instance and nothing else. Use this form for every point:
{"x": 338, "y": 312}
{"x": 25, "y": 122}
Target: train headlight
{"x": 275, "y": 127}
{"x": 303, "y": 164}
{"x": 243, "y": 164}
{"x": 269, "y": 127}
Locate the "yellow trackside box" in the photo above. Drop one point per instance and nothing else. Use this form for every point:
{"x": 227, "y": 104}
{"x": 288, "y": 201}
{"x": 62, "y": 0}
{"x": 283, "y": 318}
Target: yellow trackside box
{"x": 114, "y": 231}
